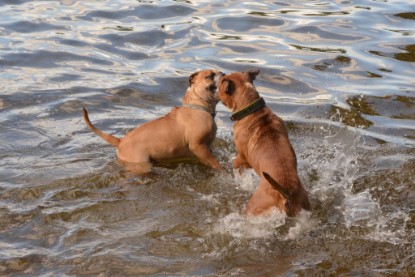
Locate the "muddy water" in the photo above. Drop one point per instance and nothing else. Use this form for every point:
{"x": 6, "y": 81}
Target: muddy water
{"x": 341, "y": 73}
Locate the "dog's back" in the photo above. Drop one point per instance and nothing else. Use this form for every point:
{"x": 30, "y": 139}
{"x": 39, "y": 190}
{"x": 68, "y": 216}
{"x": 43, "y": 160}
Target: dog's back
{"x": 263, "y": 144}
{"x": 269, "y": 150}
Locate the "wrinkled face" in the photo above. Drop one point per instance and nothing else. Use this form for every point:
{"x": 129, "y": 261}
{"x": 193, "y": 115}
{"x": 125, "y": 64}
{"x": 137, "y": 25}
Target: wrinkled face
{"x": 235, "y": 84}
{"x": 205, "y": 84}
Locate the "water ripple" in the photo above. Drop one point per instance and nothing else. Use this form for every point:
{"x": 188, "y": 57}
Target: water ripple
{"x": 340, "y": 73}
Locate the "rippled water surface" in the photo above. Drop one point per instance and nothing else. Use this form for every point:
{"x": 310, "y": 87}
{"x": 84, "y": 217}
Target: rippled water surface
{"x": 341, "y": 73}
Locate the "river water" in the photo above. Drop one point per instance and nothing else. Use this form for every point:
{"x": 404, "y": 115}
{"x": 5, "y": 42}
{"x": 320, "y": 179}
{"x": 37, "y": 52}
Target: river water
{"x": 340, "y": 73}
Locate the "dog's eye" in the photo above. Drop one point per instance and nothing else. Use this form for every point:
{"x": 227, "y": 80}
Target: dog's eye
{"x": 211, "y": 76}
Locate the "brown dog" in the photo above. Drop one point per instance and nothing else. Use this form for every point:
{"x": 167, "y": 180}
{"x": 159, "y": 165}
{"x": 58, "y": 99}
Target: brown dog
{"x": 185, "y": 131}
{"x": 262, "y": 142}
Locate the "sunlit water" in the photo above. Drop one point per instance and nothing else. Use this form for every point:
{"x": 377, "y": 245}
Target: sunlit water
{"x": 341, "y": 73}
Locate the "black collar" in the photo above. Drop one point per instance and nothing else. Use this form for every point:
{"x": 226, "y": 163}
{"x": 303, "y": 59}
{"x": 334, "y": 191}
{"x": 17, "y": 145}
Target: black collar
{"x": 201, "y": 108}
{"x": 250, "y": 109}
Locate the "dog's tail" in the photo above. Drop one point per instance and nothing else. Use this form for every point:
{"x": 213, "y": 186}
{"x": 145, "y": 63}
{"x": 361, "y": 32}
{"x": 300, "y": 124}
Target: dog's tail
{"x": 109, "y": 138}
{"x": 277, "y": 186}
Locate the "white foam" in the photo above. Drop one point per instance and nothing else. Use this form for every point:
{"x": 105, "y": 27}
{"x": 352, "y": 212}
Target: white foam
{"x": 303, "y": 225}
{"x": 247, "y": 180}
{"x": 249, "y": 227}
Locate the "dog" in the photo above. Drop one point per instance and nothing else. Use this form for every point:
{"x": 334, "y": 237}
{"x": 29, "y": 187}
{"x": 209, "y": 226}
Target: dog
{"x": 261, "y": 140}
{"x": 186, "y": 131}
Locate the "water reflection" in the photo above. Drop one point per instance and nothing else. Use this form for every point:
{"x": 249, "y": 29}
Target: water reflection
{"x": 409, "y": 15}
{"x": 315, "y": 49}
{"x": 407, "y": 56}
{"x": 246, "y": 23}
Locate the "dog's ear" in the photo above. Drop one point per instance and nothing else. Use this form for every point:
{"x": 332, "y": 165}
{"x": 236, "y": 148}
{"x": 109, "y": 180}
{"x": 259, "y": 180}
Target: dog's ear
{"x": 228, "y": 86}
{"x": 284, "y": 192}
{"x": 252, "y": 73}
{"x": 192, "y": 77}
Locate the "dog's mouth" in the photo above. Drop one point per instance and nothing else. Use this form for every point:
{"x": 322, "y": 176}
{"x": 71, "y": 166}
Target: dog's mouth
{"x": 213, "y": 88}
{"x": 214, "y": 77}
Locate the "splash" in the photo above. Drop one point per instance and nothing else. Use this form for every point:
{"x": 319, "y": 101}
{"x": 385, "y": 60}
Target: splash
{"x": 360, "y": 209}
{"x": 333, "y": 162}
{"x": 304, "y": 223}
{"x": 250, "y": 227}
{"x": 241, "y": 226}
{"x": 344, "y": 182}
{"x": 271, "y": 225}
{"x": 246, "y": 180}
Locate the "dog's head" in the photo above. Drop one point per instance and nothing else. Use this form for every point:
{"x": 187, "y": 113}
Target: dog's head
{"x": 204, "y": 85}
{"x": 237, "y": 90}
{"x": 294, "y": 200}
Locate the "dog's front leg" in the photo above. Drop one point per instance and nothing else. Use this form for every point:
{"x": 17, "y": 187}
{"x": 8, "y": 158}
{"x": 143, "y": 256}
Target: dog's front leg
{"x": 240, "y": 163}
{"x": 204, "y": 154}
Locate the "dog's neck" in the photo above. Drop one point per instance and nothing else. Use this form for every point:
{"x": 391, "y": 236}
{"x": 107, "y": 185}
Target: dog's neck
{"x": 191, "y": 100}
{"x": 210, "y": 105}
{"x": 248, "y": 96}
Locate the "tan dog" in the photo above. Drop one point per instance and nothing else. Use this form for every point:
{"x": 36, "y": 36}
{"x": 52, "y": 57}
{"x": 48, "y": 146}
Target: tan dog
{"x": 262, "y": 142}
{"x": 185, "y": 131}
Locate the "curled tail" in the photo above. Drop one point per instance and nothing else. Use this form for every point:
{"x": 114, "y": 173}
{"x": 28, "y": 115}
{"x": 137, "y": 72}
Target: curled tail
{"x": 109, "y": 138}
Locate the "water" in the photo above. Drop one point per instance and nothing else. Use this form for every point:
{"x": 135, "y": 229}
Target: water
{"x": 341, "y": 73}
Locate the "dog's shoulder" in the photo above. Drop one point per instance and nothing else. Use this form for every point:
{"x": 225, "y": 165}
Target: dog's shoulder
{"x": 173, "y": 112}
{"x": 266, "y": 118}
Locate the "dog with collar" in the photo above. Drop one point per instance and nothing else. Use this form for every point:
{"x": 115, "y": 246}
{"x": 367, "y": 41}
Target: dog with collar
{"x": 261, "y": 139}
{"x": 186, "y": 131}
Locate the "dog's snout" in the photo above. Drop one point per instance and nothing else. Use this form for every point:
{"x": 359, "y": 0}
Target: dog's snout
{"x": 213, "y": 88}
